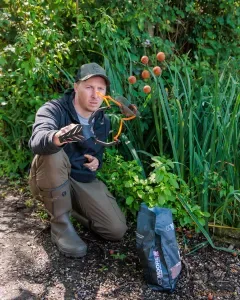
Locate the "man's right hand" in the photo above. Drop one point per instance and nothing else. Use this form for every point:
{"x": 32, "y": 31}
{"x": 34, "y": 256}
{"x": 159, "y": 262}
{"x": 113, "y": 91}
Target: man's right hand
{"x": 61, "y": 132}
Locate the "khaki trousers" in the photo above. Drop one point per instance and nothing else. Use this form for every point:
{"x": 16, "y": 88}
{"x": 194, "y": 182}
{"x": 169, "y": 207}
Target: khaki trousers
{"x": 92, "y": 201}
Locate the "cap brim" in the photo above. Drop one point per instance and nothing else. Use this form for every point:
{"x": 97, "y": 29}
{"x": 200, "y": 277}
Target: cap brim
{"x": 96, "y": 75}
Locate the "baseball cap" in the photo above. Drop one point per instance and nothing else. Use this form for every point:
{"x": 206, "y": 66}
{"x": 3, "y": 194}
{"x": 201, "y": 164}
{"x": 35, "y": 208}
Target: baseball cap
{"x": 91, "y": 70}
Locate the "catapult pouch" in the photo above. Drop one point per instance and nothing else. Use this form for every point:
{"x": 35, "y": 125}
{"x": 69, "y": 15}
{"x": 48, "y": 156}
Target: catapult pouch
{"x": 157, "y": 248}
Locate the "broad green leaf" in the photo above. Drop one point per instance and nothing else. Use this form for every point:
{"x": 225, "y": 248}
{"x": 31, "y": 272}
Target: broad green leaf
{"x": 129, "y": 200}
{"x": 161, "y": 199}
{"x": 173, "y": 182}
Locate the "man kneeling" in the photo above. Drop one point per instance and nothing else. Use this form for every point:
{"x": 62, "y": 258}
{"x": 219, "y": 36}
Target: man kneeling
{"x": 63, "y": 174}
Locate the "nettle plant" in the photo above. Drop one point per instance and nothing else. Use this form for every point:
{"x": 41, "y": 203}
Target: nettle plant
{"x": 161, "y": 187}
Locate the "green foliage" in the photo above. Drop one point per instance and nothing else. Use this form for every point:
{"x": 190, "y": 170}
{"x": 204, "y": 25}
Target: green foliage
{"x": 120, "y": 256}
{"x": 120, "y": 176}
{"x": 29, "y": 203}
{"x": 30, "y": 57}
{"x": 203, "y": 28}
{"x": 75, "y": 223}
{"x": 103, "y": 268}
{"x": 196, "y": 121}
{"x": 191, "y": 116}
{"x": 42, "y": 214}
{"x": 161, "y": 188}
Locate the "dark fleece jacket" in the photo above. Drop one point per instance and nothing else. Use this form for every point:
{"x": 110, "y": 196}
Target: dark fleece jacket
{"x": 54, "y": 115}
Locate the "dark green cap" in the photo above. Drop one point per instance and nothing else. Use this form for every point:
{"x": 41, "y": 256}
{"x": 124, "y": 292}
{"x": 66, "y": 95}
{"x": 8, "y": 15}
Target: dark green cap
{"x": 91, "y": 70}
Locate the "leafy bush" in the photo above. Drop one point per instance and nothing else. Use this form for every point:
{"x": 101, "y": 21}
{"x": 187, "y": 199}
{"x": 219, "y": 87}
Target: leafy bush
{"x": 161, "y": 188}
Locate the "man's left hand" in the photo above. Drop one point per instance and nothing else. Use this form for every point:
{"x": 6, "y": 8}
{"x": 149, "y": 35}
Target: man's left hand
{"x": 92, "y": 164}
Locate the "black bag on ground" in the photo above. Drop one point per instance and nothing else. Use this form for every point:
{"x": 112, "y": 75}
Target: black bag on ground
{"x": 157, "y": 248}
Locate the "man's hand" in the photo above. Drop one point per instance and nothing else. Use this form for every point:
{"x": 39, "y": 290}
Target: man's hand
{"x": 127, "y": 109}
{"x": 61, "y": 132}
{"x": 130, "y": 111}
{"x": 93, "y": 163}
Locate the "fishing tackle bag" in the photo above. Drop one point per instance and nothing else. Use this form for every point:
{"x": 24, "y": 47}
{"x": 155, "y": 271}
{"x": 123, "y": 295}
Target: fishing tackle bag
{"x": 157, "y": 248}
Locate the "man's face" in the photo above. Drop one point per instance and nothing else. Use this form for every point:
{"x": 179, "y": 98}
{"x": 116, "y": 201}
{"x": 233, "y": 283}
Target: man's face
{"x": 86, "y": 99}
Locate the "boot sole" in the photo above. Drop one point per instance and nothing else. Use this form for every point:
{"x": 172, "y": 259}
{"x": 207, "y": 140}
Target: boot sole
{"x": 69, "y": 254}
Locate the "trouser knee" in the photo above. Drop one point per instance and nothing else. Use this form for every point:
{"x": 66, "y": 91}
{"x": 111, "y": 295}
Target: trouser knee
{"x": 49, "y": 171}
{"x": 115, "y": 232}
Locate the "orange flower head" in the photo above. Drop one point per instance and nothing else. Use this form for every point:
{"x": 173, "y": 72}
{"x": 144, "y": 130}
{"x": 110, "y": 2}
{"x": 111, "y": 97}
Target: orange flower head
{"x": 145, "y": 60}
{"x": 161, "y": 56}
{"x": 147, "y": 89}
{"x": 132, "y": 79}
{"x": 157, "y": 71}
{"x": 145, "y": 74}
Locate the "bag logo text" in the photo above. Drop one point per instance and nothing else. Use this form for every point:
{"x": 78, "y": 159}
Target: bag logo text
{"x": 158, "y": 267}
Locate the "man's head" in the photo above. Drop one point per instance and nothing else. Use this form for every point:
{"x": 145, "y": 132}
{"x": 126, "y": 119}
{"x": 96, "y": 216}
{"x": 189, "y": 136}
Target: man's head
{"x": 90, "y": 79}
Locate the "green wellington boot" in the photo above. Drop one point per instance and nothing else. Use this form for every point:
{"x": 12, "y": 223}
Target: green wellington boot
{"x": 58, "y": 203}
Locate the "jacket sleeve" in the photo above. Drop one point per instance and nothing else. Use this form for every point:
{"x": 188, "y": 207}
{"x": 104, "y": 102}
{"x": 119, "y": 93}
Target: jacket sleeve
{"x": 99, "y": 156}
{"x": 47, "y": 123}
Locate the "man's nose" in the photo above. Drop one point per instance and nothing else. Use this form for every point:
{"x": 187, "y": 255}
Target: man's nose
{"x": 94, "y": 93}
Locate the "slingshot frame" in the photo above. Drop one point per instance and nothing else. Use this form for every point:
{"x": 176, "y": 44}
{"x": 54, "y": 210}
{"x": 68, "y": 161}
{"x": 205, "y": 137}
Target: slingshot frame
{"x": 76, "y": 134}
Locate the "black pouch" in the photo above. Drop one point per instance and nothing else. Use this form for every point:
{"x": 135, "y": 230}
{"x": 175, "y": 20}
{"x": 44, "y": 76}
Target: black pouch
{"x": 157, "y": 248}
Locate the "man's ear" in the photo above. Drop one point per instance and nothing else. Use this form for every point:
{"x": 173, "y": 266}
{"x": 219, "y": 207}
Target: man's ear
{"x": 75, "y": 86}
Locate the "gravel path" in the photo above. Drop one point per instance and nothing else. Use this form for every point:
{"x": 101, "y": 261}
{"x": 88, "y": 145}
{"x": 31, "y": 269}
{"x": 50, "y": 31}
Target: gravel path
{"x": 32, "y": 268}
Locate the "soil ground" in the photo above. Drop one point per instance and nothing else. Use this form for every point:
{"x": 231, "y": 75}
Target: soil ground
{"x": 32, "y": 268}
